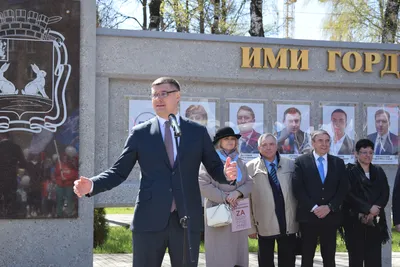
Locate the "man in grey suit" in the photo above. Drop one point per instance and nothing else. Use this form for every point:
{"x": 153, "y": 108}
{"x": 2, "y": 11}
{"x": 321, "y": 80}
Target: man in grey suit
{"x": 160, "y": 202}
{"x": 386, "y": 143}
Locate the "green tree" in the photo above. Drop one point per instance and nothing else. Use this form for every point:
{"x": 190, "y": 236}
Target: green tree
{"x": 362, "y": 21}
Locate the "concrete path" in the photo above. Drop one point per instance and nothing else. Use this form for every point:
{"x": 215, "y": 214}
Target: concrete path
{"x": 125, "y": 260}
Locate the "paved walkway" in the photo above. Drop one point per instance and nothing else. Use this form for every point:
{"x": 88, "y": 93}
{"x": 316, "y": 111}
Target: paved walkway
{"x": 125, "y": 260}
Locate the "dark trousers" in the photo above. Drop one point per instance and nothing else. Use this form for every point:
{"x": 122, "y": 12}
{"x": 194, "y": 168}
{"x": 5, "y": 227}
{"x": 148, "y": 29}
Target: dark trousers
{"x": 149, "y": 247}
{"x": 363, "y": 245}
{"x": 286, "y": 251}
{"x": 326, "y": 234}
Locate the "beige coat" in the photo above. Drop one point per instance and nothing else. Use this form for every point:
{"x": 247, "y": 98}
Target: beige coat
{"x": 224, "y": 248}
{"x": 264, "y": 219}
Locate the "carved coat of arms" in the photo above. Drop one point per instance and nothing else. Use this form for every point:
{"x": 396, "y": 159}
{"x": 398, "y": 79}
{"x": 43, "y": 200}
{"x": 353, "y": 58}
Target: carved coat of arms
{"x": 34, "y": 72}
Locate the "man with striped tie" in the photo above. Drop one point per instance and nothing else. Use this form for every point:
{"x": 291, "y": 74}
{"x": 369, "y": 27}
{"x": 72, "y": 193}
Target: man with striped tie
{"x": 273, "y": 205}
{"x": 320, "y": 185}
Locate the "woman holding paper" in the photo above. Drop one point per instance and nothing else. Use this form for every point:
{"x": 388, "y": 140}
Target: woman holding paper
{"x": 225, "y": 245}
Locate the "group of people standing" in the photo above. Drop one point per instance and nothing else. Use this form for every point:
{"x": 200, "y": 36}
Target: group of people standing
{"x": 296, "y": 204}
{"x": 299, "y": 204}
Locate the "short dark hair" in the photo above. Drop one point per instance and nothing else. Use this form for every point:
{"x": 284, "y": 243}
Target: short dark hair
{"x": 167, "y": 80}
{"x": 247, "y": 108}
{"x": 339, "y": 110}
{"x": 381, "y": 111}
{"x": 291, "y": 110}
{"x": 364, "y": 143}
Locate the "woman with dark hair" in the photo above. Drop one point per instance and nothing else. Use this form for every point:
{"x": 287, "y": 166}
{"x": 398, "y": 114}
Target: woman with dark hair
{"x": 365, "y": 228}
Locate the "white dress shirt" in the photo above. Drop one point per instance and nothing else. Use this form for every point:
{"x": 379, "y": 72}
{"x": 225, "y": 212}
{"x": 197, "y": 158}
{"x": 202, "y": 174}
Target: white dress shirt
{"x": 325, "y": 164}
{"x": 382, "y": 140}
{"x": 335, "y": 147}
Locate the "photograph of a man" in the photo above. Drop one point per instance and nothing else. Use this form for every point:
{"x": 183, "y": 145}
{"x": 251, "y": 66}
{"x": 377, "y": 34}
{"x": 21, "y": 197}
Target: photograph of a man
{"x": 341, "y": 143}
{"x": 292, "y": 139}
{"x": 245, "y": 122}
{"x": 386, "y": 142}
{"x": 202, "y": 112}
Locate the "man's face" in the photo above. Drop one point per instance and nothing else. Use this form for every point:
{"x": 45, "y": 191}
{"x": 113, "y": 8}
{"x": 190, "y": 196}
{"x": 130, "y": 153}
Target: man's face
{"x": 382, "y": 123}
{"x": 292, "y": 122}
{"x": 245, "y": 121}
{"x": 268, "y": 148}
{"x": 198, "y": 117}
{"x": 321, "y": 144}
{"x": 165, "y": 106}
{"x": 338, "y": 120}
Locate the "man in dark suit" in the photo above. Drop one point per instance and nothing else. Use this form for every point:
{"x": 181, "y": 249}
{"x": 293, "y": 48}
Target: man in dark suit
{"x": 161, "y": 199}
{"x": 292, "y": 140}
{"x": 341, "y": 143}
{"x": 11, "y": 158}
{"x": 386, "y": 143}
{"x": 320, "y": 185}
{"x": 396, "y": 201}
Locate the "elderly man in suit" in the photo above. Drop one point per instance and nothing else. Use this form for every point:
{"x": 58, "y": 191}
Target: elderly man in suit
{"x": 292, "y": 140}
{"x": 386, "y": 143}
{"x": 341, "y": 143}
{"x": 162, "y": 194}
{"x": 273, "y": 205}
{"x": 320, "y": 185}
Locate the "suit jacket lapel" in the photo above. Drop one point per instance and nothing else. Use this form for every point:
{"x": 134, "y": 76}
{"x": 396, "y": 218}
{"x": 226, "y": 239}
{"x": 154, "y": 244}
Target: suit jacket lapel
{"x": 182, "y": 140}
{"x": 331, "y": 166}
{"x": 157, "y": 140}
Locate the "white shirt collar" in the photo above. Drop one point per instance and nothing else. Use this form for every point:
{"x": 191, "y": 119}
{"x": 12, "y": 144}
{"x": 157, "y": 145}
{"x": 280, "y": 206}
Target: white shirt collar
{"x": 316, "y": 156}
{"x": 161, "y": 121}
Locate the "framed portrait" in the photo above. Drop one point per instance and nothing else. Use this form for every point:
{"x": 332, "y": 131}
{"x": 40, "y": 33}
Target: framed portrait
{"x": 382, "y": 124}
{"x": 292, "y": 128}
{"x": 202, "y": 111}
{"x": 140, "y": 110}
{"x": 247, "y": 119}
{"x": 339, "y": 121}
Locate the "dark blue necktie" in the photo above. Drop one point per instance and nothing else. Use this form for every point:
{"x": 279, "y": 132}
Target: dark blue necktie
{"x": 379, "y": 147}
{"x": 273, "y": 174}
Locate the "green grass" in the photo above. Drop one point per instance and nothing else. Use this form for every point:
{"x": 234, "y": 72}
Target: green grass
{"x": 125, "y": 210}
{"x": 120, "y": 241}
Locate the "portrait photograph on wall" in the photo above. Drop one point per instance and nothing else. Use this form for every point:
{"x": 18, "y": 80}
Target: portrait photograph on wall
{"x": 247, "y": 119}
{"x": 202, "y": 112}
{"x": 139, "y": 111}
{"x": 292, "y": 129}
{"x": 39, "y": 109}
{"x": 338, "y": 121}
{"x": 382, "y": 123}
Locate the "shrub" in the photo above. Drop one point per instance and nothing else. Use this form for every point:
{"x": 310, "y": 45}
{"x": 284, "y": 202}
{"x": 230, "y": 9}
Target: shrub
{"x": 100, "y": 227}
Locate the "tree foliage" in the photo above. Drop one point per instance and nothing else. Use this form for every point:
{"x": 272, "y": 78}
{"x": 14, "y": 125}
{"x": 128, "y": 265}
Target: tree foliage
{"x": 362, "y": 21}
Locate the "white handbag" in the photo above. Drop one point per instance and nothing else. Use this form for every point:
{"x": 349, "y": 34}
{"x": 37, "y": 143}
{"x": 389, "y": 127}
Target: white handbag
{"x": 219, "y": 215}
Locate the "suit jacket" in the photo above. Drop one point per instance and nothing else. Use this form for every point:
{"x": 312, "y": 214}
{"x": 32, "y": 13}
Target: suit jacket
{"x": 251, "y": 146}
{"x": 390, "y": 148}
{"x": 309, "y": 190}
{"x": 301, "y": 141}
{"x": 159, "y": 181}
{"x": 396, "y": 199}
{"x": 347, "y": 147}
